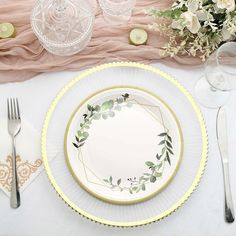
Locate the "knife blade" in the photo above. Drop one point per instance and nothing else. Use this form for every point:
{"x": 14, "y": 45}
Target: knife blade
{"x": 222, "y": 137}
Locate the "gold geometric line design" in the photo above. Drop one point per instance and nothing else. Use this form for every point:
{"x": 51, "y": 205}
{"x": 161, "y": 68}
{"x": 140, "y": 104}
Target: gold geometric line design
{"x": 163, "y": 121}
{"x": 146, "y": 105}
{"x": 24, "y": 170}
{"x": 85, "y": 166}
{"x": 82, "y": 161}
{"x": 99, "y": 179}
{"x": 108, "y": 199}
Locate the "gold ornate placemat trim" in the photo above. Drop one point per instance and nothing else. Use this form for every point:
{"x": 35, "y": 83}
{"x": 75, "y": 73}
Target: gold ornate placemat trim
{"x": 24, "y": 169}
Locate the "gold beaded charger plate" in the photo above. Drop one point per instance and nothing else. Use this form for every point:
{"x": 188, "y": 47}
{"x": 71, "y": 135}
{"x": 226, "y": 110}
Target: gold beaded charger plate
{"x": 111, "y": 94}
{"x": 123, "y": 145}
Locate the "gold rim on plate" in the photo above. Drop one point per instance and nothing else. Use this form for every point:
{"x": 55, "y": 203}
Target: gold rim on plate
{"x": 181, "y": 201}
{"x": 107, "y": 199}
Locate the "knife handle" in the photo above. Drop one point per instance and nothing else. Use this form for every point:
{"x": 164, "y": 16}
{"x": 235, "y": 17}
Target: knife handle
{"x": 229, "y": 211}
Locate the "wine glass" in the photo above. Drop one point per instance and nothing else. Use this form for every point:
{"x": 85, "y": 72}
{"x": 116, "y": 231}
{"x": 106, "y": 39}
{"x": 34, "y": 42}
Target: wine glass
{"x": 213, "y": 89}
{"x": 117, "y": 11}
{"x": 64, "y": 27}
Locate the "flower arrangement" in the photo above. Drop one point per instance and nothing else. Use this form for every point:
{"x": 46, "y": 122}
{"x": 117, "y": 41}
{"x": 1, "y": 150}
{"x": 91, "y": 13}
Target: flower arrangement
{"x": 197, "y": 27}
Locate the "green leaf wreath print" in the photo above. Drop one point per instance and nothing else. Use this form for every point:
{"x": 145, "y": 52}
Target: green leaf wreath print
{"x": 104, "y": 111}
{"x": 154, "y": 171}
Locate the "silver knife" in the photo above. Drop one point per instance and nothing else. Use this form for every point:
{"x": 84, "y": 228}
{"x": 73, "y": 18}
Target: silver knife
{"x": 222, "y": 137}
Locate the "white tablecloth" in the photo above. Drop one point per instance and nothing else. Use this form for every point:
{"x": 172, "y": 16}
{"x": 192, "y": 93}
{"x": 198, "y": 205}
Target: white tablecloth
{"x": 43, "y": 213}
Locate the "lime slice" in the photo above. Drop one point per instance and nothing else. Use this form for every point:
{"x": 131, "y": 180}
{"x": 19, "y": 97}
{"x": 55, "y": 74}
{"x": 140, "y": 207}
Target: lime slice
{"x": 7, "y": 30}
{"x": 138, "y": 36}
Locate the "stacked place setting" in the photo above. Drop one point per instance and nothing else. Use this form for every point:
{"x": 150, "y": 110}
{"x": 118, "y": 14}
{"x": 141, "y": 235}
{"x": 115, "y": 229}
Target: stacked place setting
{"x": 123, "y": 143}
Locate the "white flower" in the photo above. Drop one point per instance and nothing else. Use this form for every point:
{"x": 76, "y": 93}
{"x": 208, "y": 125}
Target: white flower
{"x": 226, "y": 4}
{"x": 191, "y": 21}
{"x": 177, "y": 24}
{"x": 226, "y": 35}
{"x": 202, "y": 15}
{"x": 188, "y": 19}
{"x": 193, "y": 6}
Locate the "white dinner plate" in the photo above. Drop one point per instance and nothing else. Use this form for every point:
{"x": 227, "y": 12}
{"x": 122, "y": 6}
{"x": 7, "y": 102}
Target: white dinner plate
{"x": 123, "y": 145}
{"x": 140, "y": 136}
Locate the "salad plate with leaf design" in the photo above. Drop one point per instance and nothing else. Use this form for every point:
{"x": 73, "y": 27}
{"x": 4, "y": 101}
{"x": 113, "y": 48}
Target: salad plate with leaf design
{"x": 123, "y": 145}
{"x": 131, "y": 144}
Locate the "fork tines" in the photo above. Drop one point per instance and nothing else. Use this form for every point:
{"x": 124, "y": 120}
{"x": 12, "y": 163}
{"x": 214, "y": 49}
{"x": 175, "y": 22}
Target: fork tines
{"x": 13, "y": 110}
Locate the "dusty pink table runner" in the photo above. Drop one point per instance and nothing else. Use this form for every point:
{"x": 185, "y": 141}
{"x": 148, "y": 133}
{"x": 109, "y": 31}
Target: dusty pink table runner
{"x": 23, "y": 57}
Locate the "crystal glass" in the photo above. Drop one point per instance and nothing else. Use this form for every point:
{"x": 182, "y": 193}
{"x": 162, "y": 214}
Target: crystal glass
{"x": 212, "y": 90}
{"x": 64, "y": 27}
{"x": 117, "y": 11}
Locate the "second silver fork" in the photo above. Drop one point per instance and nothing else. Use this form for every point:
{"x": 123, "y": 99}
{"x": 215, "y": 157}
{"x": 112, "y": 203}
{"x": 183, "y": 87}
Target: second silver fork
{"x": 14, "y": 127}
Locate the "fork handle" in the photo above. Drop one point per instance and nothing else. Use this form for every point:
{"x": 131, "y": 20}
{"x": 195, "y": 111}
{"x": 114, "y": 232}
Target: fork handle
{"x": 15, "y": 195}
{"x": 229, "y": 211}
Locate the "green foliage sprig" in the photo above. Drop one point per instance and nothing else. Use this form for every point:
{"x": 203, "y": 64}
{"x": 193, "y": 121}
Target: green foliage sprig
{"x": 196, "y": 27}
{"x": 104, "y": 111}
{"x": 107, "y": 110}
{"x": 155, "y": 169}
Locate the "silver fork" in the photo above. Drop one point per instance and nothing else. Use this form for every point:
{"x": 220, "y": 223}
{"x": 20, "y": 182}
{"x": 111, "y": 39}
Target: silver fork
{"x": 14, "y": 126}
